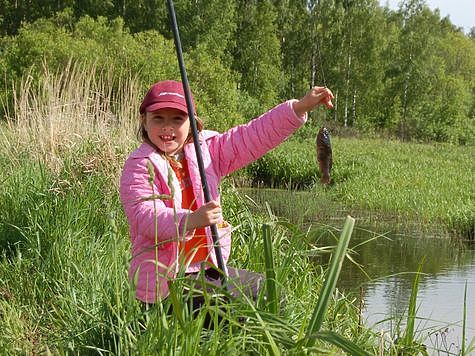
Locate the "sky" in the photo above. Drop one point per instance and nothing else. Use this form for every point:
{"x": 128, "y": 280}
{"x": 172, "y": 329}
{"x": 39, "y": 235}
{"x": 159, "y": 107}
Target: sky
{"x": 460, "y": 12}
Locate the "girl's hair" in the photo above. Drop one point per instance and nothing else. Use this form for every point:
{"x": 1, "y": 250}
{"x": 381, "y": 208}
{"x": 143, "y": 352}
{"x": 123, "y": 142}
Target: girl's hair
{"x": 143, "y": 136}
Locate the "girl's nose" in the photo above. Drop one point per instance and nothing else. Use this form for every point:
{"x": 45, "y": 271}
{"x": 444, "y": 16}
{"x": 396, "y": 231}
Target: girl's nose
{"x": 167, "y": 129}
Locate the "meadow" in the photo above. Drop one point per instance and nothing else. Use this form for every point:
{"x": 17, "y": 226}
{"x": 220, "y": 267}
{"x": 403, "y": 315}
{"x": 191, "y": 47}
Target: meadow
{"x": 65, "y": 247}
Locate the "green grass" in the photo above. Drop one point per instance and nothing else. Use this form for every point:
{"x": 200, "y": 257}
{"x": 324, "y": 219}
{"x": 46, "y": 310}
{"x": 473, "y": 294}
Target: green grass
{"x": 64, "y": 287}
{"x": 65, "y": 251}
{"x": 426, "y": 185}
{"x": 65, "y": 246}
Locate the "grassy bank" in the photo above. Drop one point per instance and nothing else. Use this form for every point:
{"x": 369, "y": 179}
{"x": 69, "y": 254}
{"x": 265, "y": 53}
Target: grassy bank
{"x": 427, "y": 186}
{"x": 64, "y": 288}
{"x": 65, "y": 246}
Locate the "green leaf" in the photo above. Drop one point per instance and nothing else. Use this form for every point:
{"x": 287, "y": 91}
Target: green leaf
{"x": 330, "y": 281}
{"x": 341, "y": 342}
{"x": 270, "y": 272}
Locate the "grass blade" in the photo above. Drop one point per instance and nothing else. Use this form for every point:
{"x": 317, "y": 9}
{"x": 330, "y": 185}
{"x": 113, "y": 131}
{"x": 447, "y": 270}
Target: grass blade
{"x": 464, "y": 326}
{"x": 330, "y": 281}
{"x": 411, "y": 311}
{"x": 270, "y": 272}
{"x": 341, "y": 342}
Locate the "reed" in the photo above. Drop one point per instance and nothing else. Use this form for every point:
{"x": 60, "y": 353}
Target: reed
{"x": 76, "y": 108}
{"x": 272, "y": 297}
{"x": 411, "y": 312}
{"x": 464, "y": 319}
{"x": 331, "y": 278}
{"x": 466, "y": 349}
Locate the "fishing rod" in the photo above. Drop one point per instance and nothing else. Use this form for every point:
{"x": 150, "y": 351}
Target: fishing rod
{"x": 194, "y": 129}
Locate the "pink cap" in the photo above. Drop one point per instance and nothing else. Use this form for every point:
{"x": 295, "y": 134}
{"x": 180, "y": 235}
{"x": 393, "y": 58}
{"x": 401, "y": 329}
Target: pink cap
{"x": 166, "y": 94}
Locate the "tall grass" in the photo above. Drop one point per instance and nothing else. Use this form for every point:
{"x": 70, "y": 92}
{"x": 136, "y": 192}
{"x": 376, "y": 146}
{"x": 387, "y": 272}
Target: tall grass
{"x": 426, "y": 185}
{"x": 330, "y": 280}
{"x": 272, "y": 296}
{"x": 71, "y": 111}
{"x": 464, "y": 319}
{"x": 65, "y": 244}
{"x": 64, "y": 288}
{"x": 408, "y": 343}
{"x": 328, "y": 288}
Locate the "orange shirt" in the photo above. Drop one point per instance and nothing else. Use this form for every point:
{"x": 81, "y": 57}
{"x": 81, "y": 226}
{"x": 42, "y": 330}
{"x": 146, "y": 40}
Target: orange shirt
{"x": 198, "y": 242}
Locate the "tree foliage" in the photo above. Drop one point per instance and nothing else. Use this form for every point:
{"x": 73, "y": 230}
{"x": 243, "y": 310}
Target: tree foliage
{"x": 408, "y": 72}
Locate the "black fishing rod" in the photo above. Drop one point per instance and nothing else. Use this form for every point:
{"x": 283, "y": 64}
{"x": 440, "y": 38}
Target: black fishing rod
{"x": 194, "y": 129}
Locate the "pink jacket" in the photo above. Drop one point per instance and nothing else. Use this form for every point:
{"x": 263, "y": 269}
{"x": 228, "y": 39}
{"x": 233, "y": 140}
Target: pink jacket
{"x": 161, "y": 222}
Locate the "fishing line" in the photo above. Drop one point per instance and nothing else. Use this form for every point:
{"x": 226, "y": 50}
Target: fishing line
{"x": 321, "y": 64}
{"x": 323, "y": 141}
{"x": 317, "y": 41}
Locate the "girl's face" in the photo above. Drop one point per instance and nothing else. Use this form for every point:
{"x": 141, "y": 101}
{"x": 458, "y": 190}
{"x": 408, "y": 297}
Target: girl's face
{"x": 167, "y": 128}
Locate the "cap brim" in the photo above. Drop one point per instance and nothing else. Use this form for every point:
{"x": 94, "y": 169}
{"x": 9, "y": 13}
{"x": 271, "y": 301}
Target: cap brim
{"x": 166, "y": 105}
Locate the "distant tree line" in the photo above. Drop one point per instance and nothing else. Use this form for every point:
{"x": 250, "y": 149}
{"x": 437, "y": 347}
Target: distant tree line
{"x": 407, "y": 73}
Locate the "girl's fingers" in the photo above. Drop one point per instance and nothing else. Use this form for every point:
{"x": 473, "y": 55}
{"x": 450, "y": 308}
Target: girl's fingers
{"x": 213, "y": 204}
{"x": 325, "y": 97}
{"x": 325, "y": 91}
{"x": 321, "y": 95}
{"x": 329, "y": 103}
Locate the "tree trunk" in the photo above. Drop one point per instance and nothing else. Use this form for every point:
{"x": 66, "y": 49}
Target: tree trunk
{"x": 353, "y": 108}
{"x": 335, "y": 111}
{"x": 347, "y": 89}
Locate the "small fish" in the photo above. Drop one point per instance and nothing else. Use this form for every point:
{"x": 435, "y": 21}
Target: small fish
{"x": 324, "y": 154}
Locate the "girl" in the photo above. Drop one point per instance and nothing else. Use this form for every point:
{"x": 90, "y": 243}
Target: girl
{"x": 170, "y": 234}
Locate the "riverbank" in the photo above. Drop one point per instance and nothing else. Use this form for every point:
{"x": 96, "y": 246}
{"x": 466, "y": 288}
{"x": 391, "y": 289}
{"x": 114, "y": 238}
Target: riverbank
{"x": 65, "y": 243}
{"x": 64, "y": 287}
{"x": 430, "y": 187}
{"x": 386, "y": 252}
{"x": 63, "y": 227}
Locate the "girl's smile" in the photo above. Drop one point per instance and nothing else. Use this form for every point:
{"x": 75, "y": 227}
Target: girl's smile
{"x": 167, "y": 129}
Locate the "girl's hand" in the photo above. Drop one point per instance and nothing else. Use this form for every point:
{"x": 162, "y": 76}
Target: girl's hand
{"x": 206, "y": 215}
{"x": 316, "y": 96}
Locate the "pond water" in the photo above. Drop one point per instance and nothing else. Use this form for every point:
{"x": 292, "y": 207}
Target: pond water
{"x": 389, "y": 261}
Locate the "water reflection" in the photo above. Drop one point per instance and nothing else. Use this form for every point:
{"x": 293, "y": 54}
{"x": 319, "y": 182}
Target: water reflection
{"x": 389, "y": 262}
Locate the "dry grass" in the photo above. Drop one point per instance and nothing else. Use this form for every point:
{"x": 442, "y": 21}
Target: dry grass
{"x": 62, "y": 113}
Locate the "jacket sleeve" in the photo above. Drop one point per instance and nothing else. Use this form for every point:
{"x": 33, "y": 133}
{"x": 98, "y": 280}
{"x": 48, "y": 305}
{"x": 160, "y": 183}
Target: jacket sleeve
{"x": 149, "y": 216}
{"x": 244, "y": 144}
